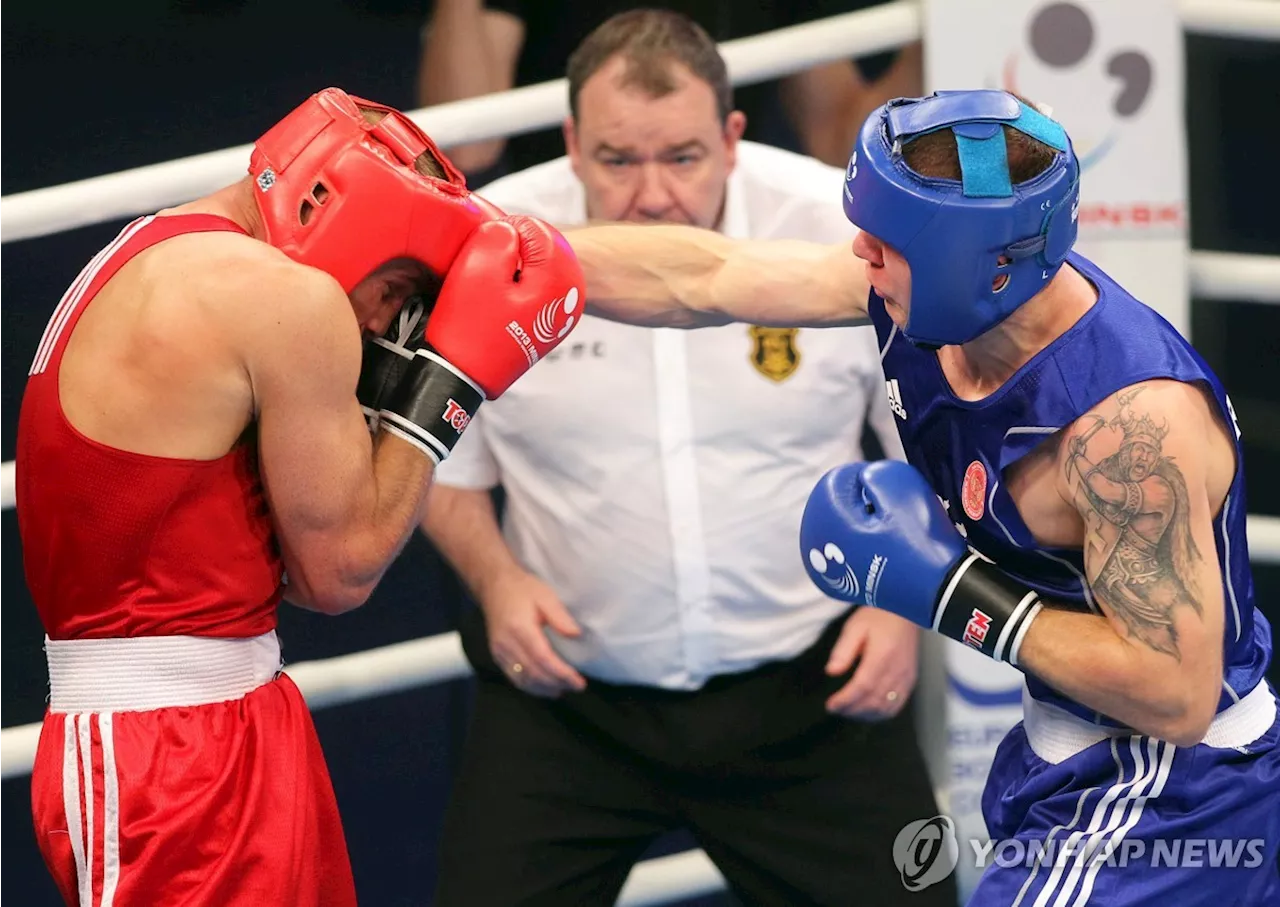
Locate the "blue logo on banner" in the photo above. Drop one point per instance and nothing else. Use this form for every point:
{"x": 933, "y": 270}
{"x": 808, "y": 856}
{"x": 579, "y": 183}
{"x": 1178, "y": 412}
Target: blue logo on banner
{"x": 984, "y": 698}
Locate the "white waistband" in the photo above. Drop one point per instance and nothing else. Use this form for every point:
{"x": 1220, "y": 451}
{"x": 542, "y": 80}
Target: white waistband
{"x": 1055, "y": 734}
{"x": 142, "y": 673}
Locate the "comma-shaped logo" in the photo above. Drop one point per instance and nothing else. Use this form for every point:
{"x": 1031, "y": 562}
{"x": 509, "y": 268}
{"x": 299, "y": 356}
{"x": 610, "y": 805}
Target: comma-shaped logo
{"x": 926, "y": 852}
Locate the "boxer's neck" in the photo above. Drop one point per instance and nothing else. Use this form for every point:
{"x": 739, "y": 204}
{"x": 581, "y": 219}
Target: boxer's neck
{"x": 981, "y": 366}
{"x": 235, "y": 202}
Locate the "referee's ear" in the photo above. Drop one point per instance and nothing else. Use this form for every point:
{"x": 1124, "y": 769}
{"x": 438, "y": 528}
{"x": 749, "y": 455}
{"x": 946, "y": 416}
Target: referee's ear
{"x": 735, "y": 124}
{"x": 571, "y": 147}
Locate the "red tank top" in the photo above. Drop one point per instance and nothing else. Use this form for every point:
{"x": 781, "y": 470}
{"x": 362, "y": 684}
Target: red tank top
{"x": 124, "y": 544}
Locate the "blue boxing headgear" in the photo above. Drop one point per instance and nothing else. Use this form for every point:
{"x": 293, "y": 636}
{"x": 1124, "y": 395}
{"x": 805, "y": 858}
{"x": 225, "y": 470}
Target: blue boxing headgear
{"x": 953, "y": 232}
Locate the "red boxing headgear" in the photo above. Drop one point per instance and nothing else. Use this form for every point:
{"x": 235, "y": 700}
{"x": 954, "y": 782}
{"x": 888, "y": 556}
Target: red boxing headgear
{"x": 342, "y": 194}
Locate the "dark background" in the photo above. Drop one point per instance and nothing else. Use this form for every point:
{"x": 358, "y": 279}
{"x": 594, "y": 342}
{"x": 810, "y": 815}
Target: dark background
{"x": 94, "y": 89}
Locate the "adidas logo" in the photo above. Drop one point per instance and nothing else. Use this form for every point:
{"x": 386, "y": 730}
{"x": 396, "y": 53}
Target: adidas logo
{"x": 895, "y": 398}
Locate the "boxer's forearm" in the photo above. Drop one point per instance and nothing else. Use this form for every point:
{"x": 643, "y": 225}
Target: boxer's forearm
{"x": 337, "y": 570}
{"x": 1082, "y": 656}
{"x": 462, "y": 524}
{"x": 685, "y": 277}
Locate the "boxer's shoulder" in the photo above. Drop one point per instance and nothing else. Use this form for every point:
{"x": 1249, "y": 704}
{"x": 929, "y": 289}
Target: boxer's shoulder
{"x": 277, "y": 303}
{"x": 1169, "y": 427}
{"x": 225, "y": 255}
{"x": 243, "y": 296}
{"x": 1175, "y": 407}
{"x": 247, "y": 278}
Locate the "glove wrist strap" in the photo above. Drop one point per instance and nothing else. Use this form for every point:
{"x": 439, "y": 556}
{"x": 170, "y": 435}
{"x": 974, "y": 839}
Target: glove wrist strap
{"x": 382, "y": 367}
{"x": 430, "y": 405}
{"x": 983, "y": 607}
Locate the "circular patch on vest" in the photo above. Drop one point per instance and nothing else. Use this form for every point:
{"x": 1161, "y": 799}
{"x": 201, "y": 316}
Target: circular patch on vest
{"x": 973, "y": 493}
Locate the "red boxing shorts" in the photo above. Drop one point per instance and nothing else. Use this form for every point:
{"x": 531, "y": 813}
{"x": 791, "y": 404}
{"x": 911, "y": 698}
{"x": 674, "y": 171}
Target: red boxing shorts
{"x": 183, "y": 770}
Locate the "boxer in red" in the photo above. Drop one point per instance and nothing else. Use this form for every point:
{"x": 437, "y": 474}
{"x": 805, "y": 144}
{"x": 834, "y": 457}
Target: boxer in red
{"x": 191, "y": 450}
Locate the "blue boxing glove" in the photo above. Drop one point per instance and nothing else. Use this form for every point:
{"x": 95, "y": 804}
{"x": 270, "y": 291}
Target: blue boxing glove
{"x": 875, "y": 534}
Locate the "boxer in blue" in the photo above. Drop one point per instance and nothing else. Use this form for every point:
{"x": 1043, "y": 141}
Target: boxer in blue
{"x": 1074, "y": 503}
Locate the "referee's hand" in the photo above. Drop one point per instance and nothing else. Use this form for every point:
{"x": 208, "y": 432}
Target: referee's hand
{"x": 882, "y": 650}
{"x": 517, "y": 609}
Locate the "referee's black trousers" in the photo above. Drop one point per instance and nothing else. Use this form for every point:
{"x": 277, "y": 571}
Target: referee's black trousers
{"x": 556, "y": 799}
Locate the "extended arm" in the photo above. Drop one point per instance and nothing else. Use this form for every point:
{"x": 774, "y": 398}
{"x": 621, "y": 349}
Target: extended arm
{"x": 686, "y": 277}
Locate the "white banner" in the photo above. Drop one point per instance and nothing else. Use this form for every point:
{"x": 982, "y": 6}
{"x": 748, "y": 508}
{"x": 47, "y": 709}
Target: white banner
{"x": 984, "y": 700}
{"x": 1112, "y": 72}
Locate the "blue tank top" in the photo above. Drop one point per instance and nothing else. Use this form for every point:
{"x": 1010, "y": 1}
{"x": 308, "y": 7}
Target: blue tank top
{"x": 1118, "y": 342}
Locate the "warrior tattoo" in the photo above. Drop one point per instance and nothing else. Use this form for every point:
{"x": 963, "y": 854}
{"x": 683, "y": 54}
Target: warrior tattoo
{"x": 1139, "y": 551}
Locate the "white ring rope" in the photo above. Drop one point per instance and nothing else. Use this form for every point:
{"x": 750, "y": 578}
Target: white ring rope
{"x": 437, "y": 659}
{"x": 8, "y": 483}
{"x": 143, "y": 190}
{"x": 1228, "y": 275}
{"x": 330, "y": 681}
{"x": 391, "y": 669}
{"x": 1257, "y": 20}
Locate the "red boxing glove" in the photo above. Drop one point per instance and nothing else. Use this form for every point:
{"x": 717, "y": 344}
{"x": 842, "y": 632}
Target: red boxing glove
{"x": 513, "y": 293}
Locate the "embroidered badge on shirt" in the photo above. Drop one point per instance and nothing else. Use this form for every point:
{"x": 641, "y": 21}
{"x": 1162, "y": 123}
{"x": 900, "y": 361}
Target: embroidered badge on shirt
{"x": 973, "y": 493}
{"x": 773, "y": 351}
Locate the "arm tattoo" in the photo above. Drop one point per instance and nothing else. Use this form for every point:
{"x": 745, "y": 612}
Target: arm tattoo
{"x": 1139, "y": 554}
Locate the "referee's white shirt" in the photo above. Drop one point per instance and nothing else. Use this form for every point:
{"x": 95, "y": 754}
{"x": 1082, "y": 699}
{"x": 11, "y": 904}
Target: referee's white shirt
{"x": 655, "y": 478}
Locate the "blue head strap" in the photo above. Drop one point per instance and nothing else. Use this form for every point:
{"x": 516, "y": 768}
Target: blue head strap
{"x": 955, "y": 233}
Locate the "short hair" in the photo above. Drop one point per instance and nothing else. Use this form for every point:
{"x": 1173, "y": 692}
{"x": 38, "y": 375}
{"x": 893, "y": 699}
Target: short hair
{"x": 650, "y": 40}
{"x": 935, "y": 154}
{"x": 426, "y": 163}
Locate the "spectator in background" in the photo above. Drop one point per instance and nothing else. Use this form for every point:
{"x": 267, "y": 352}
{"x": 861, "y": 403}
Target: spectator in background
{"x": 827, "y": 104}
{"x": 650, "y": 654}
{"x": 474, "y": 47}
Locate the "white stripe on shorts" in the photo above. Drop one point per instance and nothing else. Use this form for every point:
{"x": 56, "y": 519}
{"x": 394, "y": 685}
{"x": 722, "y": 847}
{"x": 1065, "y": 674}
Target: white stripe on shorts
{"x": 110, "y": 812}
{"x": 71, "y": 805}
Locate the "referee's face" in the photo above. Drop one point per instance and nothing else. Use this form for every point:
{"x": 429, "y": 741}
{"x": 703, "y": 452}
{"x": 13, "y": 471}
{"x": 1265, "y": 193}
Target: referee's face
{"x": 651, "y": 159}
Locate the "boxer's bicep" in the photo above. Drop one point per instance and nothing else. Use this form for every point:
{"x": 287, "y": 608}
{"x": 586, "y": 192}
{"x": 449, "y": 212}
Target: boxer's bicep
{"x": 1150, "y": 555}
{"x": 1153, "y": 659}
{"x": 314, "y": 447}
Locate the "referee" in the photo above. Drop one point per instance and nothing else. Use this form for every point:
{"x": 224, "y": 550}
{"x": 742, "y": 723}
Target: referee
{"x": 650, "y": 654}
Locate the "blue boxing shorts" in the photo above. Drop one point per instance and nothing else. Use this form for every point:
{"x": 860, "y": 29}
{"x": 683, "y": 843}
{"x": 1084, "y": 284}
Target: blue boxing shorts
{"x": 1078, "y": 815}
